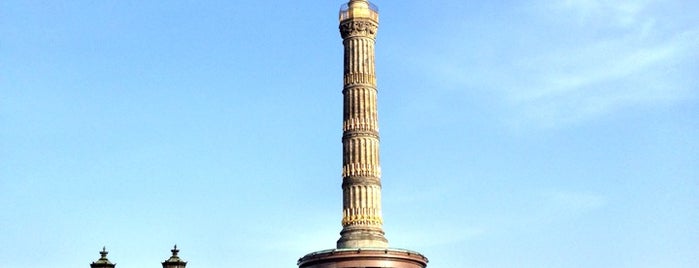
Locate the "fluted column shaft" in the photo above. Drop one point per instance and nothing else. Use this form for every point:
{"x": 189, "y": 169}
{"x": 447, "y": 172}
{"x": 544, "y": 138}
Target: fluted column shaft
{"x": 361, "y": 171}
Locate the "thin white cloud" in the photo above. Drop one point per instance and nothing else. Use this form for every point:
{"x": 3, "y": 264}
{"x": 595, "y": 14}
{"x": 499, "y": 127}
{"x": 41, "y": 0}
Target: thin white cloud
{"x": 314, "y": 234}
{"x": 553, "y": 206}
{"x": 588, "y": 82}
{"x": 621, "y": 13}
{"x": 565, "y": 72}
{"x": 575, "y": 201}
{"x": 438, "y": 235}
{"x": 568, "y": 63}
{"x": 597, "y": 58}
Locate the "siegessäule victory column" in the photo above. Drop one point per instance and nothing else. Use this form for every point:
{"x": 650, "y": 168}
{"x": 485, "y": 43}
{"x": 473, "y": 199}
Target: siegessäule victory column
{"x": 362, "y": 242}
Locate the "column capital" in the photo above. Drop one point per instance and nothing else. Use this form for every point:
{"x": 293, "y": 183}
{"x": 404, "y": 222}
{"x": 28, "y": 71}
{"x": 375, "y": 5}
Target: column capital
{"x": 358, "y": 28}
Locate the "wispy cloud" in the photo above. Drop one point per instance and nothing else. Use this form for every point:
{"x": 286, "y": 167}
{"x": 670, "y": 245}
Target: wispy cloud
{"x": 638, "y": 64}
{"x": 305, "y": 238}
{"x": 621, "y": 13}
{"x": 595, "y": 58}
{"x": 553, "y": 206}
{"x": 439, "y": 234}
{"x": 575, "y": 201}
{"x": 601, "y": 77}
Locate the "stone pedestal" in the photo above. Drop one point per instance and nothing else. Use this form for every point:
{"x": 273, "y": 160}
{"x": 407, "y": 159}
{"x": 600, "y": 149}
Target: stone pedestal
{"x": 363, "y": 257}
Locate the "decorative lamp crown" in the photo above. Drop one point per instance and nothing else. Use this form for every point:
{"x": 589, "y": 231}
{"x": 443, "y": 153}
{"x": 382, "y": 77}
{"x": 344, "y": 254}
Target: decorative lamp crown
{"x": 103, "y": 262}
{"x": 174, "y": 261}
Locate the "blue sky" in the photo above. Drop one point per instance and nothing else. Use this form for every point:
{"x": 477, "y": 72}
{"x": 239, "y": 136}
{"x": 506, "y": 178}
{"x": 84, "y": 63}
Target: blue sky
{"x": 514, "y": 133}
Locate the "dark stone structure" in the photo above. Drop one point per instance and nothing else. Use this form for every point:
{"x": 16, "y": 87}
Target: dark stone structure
{"x": 103, "y": 262}
{"x": 174, "y": 261}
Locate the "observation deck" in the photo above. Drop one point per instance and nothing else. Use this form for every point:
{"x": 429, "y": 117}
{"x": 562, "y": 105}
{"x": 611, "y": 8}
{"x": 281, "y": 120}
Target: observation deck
{"x": 359, "y": 9}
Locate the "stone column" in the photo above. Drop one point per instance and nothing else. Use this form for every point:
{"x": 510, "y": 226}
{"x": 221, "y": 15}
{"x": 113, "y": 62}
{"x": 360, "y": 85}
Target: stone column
{"x": 361, "y": 171}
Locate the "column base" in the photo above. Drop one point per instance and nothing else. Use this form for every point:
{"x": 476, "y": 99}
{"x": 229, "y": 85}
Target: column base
{"x": 361, "y": 237}
{"x": 363, "y": 257}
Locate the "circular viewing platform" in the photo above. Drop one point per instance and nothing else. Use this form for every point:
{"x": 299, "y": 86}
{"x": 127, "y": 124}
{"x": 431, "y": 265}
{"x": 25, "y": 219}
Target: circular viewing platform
{"x": 360, "y": 10}
{"x": 363, "y": 257}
